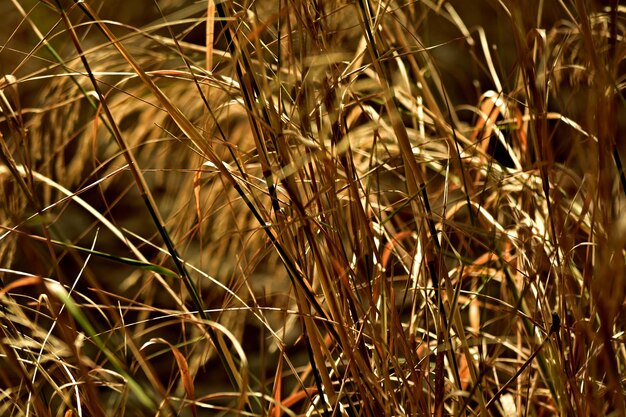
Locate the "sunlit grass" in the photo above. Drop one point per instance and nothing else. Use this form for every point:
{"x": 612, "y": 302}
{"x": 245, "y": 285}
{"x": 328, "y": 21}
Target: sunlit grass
{"x": 285, "y": 209}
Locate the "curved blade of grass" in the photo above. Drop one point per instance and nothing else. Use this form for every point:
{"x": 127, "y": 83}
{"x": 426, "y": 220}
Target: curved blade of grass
{"x": 66, "y": 299}
{"x": 21, "y": 170}
{"x": 146, "y": 266}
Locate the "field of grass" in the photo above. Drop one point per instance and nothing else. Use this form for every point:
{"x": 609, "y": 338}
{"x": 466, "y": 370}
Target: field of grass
{"x": 312, "y": 208}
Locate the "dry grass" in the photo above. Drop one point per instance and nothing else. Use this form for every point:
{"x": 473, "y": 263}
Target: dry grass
{"x": 312, "y": 208}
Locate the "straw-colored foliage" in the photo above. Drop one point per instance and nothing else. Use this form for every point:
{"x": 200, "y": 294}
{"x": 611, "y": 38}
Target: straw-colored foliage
{"x": 307, "y": 208}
